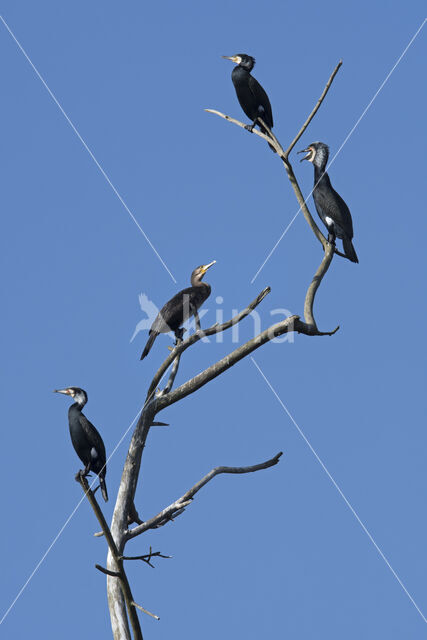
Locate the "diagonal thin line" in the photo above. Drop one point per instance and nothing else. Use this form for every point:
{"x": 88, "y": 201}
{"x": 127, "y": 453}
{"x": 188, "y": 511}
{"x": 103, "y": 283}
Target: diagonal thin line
{"x": 342, "y": 145}
{"x": 58, "y": 535}
{"x": 284, "y": 407}
{"x": 52, "y": 95}
{"x": 279, "y": 241}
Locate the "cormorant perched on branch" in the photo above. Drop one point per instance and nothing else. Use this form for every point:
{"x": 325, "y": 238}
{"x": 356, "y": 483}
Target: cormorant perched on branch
{"x": 179, "y": 308}
{"x": 85, "y": 437}
{"x": 251, "y": 96}
{"x": 331, "y": 208}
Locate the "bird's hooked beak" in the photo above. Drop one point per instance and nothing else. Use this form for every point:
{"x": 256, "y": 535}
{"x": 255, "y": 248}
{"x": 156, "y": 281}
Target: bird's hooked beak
{"x": 236, "y": 59}
{"x": 67, "y": 392}
{"x": 207, "y": 266}
{"x": 308, "y": 151}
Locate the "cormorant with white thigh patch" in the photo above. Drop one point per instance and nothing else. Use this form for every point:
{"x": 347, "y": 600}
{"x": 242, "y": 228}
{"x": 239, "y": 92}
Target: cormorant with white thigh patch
{"x": 85, "y": 437}
{"x": 331, "y": 208}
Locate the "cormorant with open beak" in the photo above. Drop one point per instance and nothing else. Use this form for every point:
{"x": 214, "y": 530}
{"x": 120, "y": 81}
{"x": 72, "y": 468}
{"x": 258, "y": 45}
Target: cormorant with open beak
{"x": 180, "y": 308}
{"x": 331, "y": 208}
{"x": 85, "y": 437}
{"x": 251, "y": 96}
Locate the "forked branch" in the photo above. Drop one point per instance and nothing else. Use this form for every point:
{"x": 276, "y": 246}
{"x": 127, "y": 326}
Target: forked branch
{"x": 293, "y": 323}
{"x": 284, "y": 155}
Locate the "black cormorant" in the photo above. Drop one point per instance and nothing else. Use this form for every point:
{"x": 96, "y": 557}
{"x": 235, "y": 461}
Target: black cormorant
{"x": 86, "y": 440}
{"x": 251, "y": 96}
{"x": 331, "y": 208}
{"x": 181, "y": 307}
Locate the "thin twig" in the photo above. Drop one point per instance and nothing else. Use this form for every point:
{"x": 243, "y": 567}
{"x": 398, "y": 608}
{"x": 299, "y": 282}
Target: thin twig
{"x": 138, "y": 606}
{"x": 218, "y": 470}
{"x": 314, "y": 111}
{"x": 147, "y": 557}
{"x": 173, "y": 373}
{"x": 186, "y": 499}
{"x": 239, "y": 124}
{"x": 113, "y": 574}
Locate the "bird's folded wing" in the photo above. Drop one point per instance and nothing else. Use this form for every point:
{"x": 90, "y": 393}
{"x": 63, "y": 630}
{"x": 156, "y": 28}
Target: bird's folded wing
{"x": 92, "y": 435}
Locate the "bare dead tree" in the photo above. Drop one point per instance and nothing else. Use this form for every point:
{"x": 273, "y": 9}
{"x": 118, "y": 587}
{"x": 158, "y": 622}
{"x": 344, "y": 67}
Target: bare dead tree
{"x": 122, "y": 606}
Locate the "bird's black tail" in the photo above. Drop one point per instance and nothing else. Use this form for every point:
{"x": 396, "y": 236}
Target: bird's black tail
{"x": 103, "y": 488}
{"x": 349, "y": 250}
{"x": 152, "y": 337}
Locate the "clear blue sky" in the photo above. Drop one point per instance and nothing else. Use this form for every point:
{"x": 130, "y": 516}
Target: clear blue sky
{"x": 276, "y": 554}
